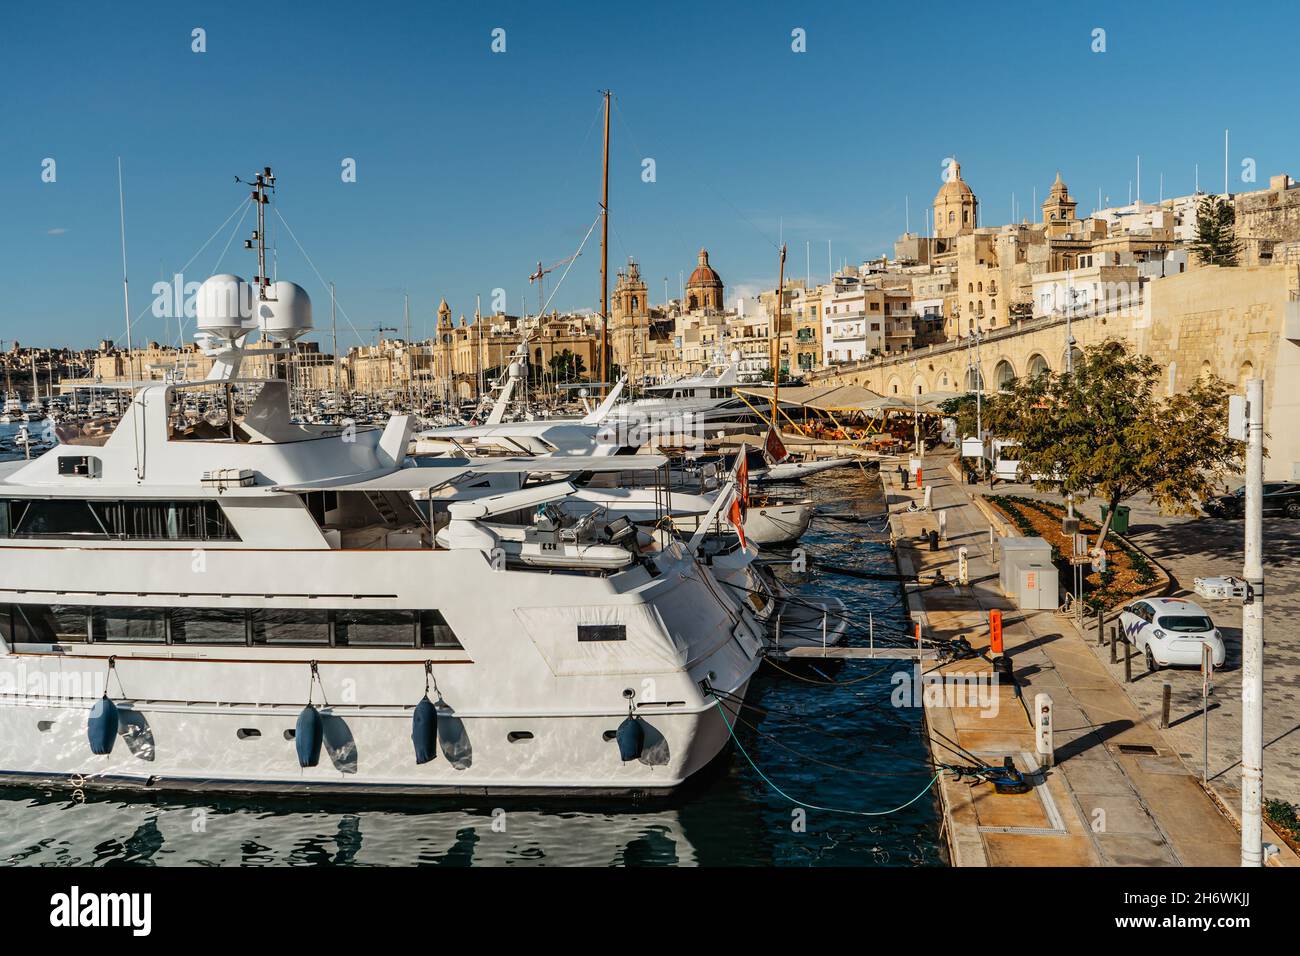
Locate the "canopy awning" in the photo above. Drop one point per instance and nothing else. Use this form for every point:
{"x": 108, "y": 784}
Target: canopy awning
{"x": 823, "y": 398}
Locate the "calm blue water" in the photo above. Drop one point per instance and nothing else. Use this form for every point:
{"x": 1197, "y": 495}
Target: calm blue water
{"x": 866, "y": 756}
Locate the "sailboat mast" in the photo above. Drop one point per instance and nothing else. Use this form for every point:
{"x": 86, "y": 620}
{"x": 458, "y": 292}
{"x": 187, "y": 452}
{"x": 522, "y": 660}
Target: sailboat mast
{"x": 604, "y": 258}
{"x": 776, "y": 336}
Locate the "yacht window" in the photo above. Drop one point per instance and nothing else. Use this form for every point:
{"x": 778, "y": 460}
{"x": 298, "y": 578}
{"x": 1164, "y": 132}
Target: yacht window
{"x": 436, "y": 632}
{"x": 208, "y": 625}
{"x": 129, "y": 624}
{"x": 290, "y": 626}
{"x": 374, "y": 628}
{"x": 49, "y": 623}
{"x": 197, "y": 520}
{"x": 602, "y": 632}
{"x": 53, "y": 517}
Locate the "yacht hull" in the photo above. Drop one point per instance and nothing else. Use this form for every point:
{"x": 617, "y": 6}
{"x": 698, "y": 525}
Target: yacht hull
{"x": 188, "y": 748}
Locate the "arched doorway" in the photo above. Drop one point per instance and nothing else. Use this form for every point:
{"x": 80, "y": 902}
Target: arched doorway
{"x": 1037, "y": 365}
{"x": 1004, "y": 374}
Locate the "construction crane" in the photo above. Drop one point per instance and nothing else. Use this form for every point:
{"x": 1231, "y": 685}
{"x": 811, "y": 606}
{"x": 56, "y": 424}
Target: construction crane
{"x": 379, "y": 331}
{"x": 540, "y": 276}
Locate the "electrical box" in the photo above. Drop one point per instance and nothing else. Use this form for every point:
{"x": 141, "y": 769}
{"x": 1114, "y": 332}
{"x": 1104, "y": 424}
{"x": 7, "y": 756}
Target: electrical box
{"x": 1037, "y": 587}
{"x": 1013, "y": 552}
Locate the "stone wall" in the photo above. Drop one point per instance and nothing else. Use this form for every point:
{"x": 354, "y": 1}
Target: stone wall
{"x": 1228, "y": 321}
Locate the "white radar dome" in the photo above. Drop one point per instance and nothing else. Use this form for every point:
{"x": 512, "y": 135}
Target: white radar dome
{"x": 224, "y": 306}
{"x": 286, "y": 312}
{"x": 515, "y": 370}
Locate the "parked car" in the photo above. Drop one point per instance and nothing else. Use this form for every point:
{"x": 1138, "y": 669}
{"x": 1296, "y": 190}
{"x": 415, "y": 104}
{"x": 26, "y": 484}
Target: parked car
{"x": 1171, "y": 631}
{"x": 1280, "y": 497}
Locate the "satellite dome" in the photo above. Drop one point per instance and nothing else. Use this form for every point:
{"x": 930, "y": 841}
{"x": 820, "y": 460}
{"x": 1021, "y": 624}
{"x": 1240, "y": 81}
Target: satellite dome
{"x": 515, "y": 370}
{"x": 286, "y": 311}
{"x": 223, "y": 306}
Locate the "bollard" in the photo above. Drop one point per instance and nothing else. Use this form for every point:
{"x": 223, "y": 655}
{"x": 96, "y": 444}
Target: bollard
{"x": 1164, "y": 707}
{"x": 934, "y": 540}
{"x": 1114, "y": 654}
{"x": 995, "y": 631}
{"x": 1043, "y": 728}
{"x": 1128, "y": 663}
{"x": 905, "y": 488}
{"x": 918, "y": 476}
{"x": 1101, "y": 625}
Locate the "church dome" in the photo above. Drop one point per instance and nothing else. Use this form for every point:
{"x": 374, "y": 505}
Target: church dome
{"x": 704, "y": 277}
{"x": 955, "y": 188}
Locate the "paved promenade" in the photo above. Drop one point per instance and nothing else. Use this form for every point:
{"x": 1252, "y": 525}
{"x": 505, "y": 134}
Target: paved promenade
{"x": 1120, "y": 793}
{"x": 1189, "y": 548}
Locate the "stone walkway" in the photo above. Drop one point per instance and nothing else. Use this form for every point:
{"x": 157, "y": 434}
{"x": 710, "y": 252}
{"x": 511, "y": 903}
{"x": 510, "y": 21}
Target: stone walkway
{"x": 1189, "y": 548}
{"x": 1119, "y": 794}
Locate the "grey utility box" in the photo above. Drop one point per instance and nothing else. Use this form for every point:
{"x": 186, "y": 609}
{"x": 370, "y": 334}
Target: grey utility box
{"x": 1016, "y": 554}
{"x": 1037, "y": 586}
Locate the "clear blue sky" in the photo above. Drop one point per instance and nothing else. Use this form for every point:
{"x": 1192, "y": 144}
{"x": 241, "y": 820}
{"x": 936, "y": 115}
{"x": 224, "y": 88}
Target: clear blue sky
{"x": 472, "y": 165}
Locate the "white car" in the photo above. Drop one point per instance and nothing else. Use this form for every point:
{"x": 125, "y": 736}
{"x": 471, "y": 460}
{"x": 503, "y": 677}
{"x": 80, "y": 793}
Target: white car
{"x": 1171, "y": 631}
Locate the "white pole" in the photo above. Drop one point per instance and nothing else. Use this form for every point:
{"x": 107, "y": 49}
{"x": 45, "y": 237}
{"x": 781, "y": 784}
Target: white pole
{"x": 1252, "y": 637}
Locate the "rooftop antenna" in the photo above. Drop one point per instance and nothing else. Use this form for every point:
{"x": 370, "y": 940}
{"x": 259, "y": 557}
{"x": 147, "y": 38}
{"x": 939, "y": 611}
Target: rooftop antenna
{"x": 1139, "y": 180}
{"x": 126, "y": 306}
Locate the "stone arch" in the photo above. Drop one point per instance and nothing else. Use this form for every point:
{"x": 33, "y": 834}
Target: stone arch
{"x": 974, "y": 380}
{"x": 895, "y": 386}
{"x": 918, "y": 384}
{"x": 944, "y": 381}
{"x": 1037, "y": 365}
{"x": 1246, "y": 371}
{"x": 1004, "y": 373}
{"x": 1206, "y": 369}
{"x": 1074, "y": 353}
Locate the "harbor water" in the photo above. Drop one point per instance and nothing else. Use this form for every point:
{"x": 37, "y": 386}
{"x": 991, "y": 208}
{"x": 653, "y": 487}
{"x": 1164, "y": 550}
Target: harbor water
{"x": 828, "y": 738}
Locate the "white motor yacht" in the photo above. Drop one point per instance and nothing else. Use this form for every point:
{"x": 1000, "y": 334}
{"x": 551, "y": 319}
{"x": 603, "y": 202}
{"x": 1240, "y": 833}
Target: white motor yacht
{"x": 256, "y": 604}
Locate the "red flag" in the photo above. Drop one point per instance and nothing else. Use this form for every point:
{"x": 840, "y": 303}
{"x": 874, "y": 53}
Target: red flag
{"x": 738, "y": 521}
{"x": 773, "y": 448}
{"x": 742, "y": 481}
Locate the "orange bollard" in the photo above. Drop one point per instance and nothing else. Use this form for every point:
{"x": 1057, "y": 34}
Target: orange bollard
{"x": 918, "y": 476}
{"x": 995, "y": 631}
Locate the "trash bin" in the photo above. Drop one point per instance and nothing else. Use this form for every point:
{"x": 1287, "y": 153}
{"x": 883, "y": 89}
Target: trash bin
{"x": 1120, "y": 524}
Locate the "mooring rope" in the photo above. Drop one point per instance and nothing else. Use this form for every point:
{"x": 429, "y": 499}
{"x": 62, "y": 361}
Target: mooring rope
{"x": 812, "y": 806}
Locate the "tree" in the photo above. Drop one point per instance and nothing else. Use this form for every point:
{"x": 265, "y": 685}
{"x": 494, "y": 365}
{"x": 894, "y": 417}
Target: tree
{"x": 1216, "y": 241}
{"x": 1102, "y": 432}
{"x": 566, "y": 366}
{"x": 766, "y": 375}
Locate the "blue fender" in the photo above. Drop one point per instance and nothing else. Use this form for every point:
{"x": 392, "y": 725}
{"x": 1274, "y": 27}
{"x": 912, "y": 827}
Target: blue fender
{"x": 307, "y": 736}
{"x": 631, "y": 738}
{"x": 102, "y": 726}
{"x": 424, "y": 731}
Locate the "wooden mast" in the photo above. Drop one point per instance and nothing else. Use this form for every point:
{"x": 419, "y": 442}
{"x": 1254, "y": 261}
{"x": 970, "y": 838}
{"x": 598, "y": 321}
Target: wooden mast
{"x": 776, "y": 338}
{"x": 604, "y": 258}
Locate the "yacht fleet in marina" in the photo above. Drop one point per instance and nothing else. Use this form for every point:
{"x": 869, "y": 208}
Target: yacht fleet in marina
{"x": 211, "y": 591}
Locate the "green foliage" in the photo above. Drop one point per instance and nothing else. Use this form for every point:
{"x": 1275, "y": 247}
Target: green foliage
{"x": 1216, "y": 241}
{"x": 1283, "y": 815}
{"x": 1102, "y": 432}
{"x": 566, "y": 366}
{"x": 766, "y": 375}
